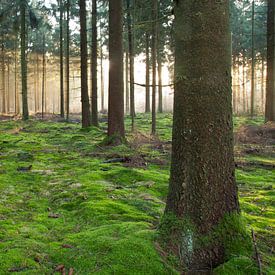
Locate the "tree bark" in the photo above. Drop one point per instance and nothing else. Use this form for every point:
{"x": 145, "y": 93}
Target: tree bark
{"x": 61, "y": 59}
{"x": 132, "y": 60}
{"x": 127, "y": 91}
{"x": 202, "y": 190}
{"x": 147, "y": 80}
{"x": 252, "y": 98}
{"x": 94, "y": 65}
{"x": 116, "y": 98}
{"x": 43, "y": 99}
{"x": 68, "y": 60}
{"x": 154, "y": 66}
{"x": 270, "y": 87}
{"x": 3, "y": 80}
{"x": 25, "y": 107}
{"x": 86, "y": 115}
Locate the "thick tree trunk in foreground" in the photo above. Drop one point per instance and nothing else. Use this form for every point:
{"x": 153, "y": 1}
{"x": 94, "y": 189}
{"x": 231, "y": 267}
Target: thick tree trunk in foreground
{"x": 202, "y": 191}
{"x": 86, "y": 115}
{"x": 94, "y": 65}
{"x": 116, "y": 97}
{"x": 270, "y": 86}
{"x": 24, "y": 61}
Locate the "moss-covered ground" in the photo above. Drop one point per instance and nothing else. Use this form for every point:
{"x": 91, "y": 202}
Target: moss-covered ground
{"x": 68, "y": 201}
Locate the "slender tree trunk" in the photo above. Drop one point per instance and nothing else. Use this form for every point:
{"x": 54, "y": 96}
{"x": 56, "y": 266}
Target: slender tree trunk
{"x": 147, "y": 80}
{"x": 24, "y": 61}
{"x": 102, "y": 86}
{"x": 4, "y": 110}
{"x": 262, "y": 85}
{"x": 127, "y": 91}
{"x": 252, "y": 98}
{"x": 36, "y": 106}
{"x": 202, "y": 191}
{"x": 244, "y": 85}
{"x": 8, "y": 86}
{"x": 132, "y": 60}
{"x": 154, "y": 66}
{"x": 61, "y": 59}
{"x": 160, "y": 107}
{"x": 68, "y": 61}
{"x": 16, "y": 104}
{"x": 270, "y": 86}
{"x": 43, "y": 76}
{"x": 94, "y": 65}
{"x": 86, "y": 115}
{"x": 116, "y": 98}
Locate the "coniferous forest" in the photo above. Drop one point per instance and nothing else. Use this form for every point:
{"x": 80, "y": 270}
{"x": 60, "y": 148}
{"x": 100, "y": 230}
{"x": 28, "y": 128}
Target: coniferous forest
{"x": 137, "y": 137}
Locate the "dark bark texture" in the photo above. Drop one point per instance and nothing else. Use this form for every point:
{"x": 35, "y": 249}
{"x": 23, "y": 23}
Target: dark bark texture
{"x": 270, "y": 86}
{"x": 116, "y": 97}
{"x": 86, "y": 115}
{"x": 202, "y": 185}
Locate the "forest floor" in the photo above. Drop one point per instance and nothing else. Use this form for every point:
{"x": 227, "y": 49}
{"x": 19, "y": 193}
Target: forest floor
{"x": 69, "y": 202}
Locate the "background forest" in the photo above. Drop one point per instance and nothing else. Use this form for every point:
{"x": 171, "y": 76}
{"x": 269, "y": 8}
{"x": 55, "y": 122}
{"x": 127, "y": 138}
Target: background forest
{"x": 123, "y": 149}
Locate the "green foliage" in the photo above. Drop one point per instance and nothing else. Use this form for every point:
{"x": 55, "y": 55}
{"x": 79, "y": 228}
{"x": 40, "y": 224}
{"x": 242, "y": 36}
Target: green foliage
{"x": 72, "y": 208}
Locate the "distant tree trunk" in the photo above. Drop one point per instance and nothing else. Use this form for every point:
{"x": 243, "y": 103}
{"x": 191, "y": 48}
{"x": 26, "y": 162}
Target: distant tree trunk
{"x": 94, "y": 64}
{"x": 68, "y": 61}
{"x": 61, "y": 59}
{"x": 8, "y": 85}
{"x": 252, "y": 99}
{"x": 86, "y": 115}
{"x": 202, "y": 191}
{"x": 262, "y": 85}
{"x": 36, "y": 83}
{"x": 244, "y": 85}
{"x": 270, "y": 86}
{"x": 3, "y": 81}
{"x": 102, "y": 87}
{"x": 116, "y": 98}
{"x": 43, "y": 76}
{"x": 154, "y": 66}
{"x": 160, "y": 105}
{"x": 127, "y": 94}
{"x": 132, "y": 60}
{"x": 23, "y": 60}
{"x": 16, "y": 103}
{"x": 147, "y": 80}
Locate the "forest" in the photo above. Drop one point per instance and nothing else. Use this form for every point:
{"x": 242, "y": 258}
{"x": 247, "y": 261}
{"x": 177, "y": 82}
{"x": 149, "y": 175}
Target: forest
{"x": 137, "y": 137}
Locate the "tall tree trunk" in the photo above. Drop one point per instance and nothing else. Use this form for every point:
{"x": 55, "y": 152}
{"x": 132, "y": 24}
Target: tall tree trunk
{"x": 160, "y": 105}
{"x": 4, "y": 110}
{"x": 23, "y": 60}
{"x": 262, "y": 85}
{"x": 132, "y": 60}
{"x": 154, "y": 66}
{"x": 116, "y": 98}
{"x": 252, "y": 98}
{"x": 202, "y": 191}
{"x": 270, "y": 86}
{"x": 68, "y": 61}
{"x": 8, "y": 85}
{"x": 86, "y": 115}
{"x": 16, "y": 103}
{"x": 43, "y": 76}
{"x": 36, "y": 106}
{"x": 94, "y": 65}
{"x": 102, "y": 86}
{"x": 127, "y": 91}
{"x": 244, "y": 84}
{"x": 147, "y": 80}
{"x": 61, "y": 59}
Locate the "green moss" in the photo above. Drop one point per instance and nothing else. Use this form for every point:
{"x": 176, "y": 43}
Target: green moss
{"x": 105, "y": 212}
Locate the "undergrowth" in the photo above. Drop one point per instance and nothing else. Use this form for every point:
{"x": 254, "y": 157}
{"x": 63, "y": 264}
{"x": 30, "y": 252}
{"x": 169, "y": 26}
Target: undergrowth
{"x": 63, "y": 202}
